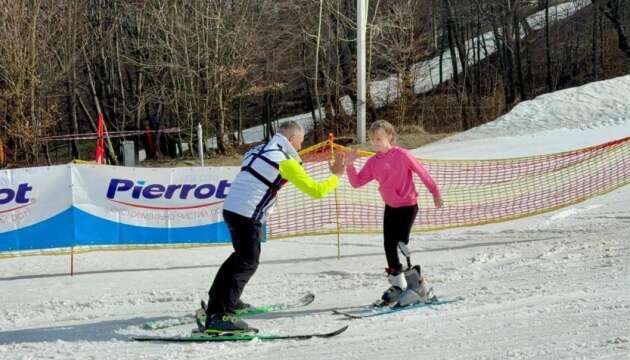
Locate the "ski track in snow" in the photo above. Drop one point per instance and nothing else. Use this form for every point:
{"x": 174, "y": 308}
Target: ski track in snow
{"x": 527, "y": 293}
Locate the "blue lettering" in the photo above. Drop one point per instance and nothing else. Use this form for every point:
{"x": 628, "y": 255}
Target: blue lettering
{"x": 153, "y": 191}
{"x": 140, "y": 190}
{"x": 207, "y": 188}
{"x": 137, "y": 190}
{"x": 223, "y": 185}
{"x": 170, "y": 190}
{"x": 20, "y": 198}
{"x": 185, "y": 189}
{"x": 8, "y": 196}
{"x": 118, "y": 185}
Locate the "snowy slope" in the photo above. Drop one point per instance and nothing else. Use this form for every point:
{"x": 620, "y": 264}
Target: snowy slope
{"x": 569, "y": 119}
{"x": 555, "y": 286}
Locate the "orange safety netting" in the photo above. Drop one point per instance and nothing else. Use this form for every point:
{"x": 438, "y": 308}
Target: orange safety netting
{"x": 475, "y": 192}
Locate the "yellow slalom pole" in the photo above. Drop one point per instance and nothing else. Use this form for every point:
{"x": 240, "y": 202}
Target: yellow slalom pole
{"x": 331, "y": 140}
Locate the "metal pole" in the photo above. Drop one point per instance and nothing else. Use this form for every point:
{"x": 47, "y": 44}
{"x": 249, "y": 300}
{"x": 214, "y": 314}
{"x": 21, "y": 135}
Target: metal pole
{"x": 200, "y": 144}
{"x": 72, "y": 261}
{"x": 361, "y": 69}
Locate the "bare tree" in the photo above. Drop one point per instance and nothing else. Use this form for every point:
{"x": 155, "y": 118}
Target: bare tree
{"x": 28, "y": 109}
{"x": 613, "y": 10}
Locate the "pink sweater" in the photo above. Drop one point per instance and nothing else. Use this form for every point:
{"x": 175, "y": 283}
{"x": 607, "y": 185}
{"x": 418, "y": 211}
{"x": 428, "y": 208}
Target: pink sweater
{"x": 394, "y": 172}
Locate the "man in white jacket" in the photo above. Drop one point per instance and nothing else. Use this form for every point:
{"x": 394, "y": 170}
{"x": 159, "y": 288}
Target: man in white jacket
{"x": 265, "y": 169}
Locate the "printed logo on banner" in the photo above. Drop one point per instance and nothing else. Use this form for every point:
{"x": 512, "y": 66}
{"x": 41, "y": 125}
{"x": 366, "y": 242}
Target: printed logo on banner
{"x": 12, "y": 199}
{"x": 146, "y": 194}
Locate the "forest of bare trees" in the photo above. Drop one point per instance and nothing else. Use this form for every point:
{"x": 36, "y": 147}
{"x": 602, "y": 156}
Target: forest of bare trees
{"x": 231, "y": 64}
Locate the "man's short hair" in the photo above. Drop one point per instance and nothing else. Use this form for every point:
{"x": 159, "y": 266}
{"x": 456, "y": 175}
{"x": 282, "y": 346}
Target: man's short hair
{"x": 290, "y": 128}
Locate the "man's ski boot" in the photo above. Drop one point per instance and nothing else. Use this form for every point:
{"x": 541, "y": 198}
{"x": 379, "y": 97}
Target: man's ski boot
{"x": 226, "y": 324}
{"x": 241, "y": 307}
{"x": 416, "y": 291}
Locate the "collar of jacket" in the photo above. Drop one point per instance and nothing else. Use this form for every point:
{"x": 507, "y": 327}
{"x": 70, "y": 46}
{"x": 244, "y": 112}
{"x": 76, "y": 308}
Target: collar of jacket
{"x": 287, "y": 147}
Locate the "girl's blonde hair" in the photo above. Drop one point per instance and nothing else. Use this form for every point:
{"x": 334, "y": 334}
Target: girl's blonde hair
{"x": 386, "y": 126}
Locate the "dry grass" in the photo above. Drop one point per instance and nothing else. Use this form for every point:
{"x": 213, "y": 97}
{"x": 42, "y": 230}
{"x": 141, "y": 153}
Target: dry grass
{"x": 409, "y": 137}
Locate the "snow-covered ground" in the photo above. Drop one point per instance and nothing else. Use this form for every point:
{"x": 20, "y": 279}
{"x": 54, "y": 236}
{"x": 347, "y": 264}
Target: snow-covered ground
{"x": 564, "y": 120}
{"x": 553, "y": 286}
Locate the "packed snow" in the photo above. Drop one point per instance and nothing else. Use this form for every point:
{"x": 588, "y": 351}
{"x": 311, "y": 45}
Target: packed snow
{"x": 553, "y": 286}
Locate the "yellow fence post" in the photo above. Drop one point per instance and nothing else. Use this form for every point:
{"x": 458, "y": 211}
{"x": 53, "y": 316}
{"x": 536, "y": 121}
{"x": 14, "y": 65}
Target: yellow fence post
{"x": 331, "y": 140}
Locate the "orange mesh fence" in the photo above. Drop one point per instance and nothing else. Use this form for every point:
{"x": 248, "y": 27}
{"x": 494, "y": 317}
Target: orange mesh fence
{"x": 475, "y": 192}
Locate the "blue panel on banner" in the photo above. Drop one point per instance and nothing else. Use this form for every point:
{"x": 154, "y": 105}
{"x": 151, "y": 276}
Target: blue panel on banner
{"x": 55, "y": 232}
{"x": 93, "y": 230}
{"x": 74, "y": 227}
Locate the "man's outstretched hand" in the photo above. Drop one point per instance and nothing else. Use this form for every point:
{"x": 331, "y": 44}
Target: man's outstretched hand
{"x": 339, "y": 165}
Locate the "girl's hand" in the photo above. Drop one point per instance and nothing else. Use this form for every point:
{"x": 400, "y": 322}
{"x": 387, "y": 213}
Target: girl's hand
{"x": 438, "y": 202}
{"x": 351, "y": 157}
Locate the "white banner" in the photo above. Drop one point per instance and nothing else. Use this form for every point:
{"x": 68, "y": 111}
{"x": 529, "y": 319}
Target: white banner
{"x": 72, "y": 205}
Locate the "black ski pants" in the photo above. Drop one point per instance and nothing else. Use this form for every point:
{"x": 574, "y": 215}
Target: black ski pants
{"x": 397, "y": 223}
{"x": 239, "y": 267}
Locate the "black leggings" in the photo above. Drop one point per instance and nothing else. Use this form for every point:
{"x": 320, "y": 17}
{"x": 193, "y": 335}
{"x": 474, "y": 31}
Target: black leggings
{"x": 236, "y": 271}
{"x": 397, "y": 223}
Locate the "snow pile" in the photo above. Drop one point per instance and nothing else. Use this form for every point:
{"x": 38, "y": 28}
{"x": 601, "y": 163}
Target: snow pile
{"x": 569, "y": 119}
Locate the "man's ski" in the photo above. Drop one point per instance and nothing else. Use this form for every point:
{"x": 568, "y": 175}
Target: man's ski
{"x": 257, "y": 310}
{"x": 366, "y": 311}
{"x": 244, "y": 337}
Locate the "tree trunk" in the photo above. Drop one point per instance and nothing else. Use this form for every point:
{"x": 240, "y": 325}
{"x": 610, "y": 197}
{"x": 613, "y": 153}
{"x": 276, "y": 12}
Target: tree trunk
{"x": 221, "y": 124}
{"x": 267, "y": 119}
{"x": 594, "y": 44}
{"x": 450, "y": 28}
{"x": 308, "y": 100}
{"x": 71, "y": 87}
{"x": 612, "y": 10}
{"x": 110, "y": 147}
{"x": 550, "y": 86}
{"x": 517, "y": 54}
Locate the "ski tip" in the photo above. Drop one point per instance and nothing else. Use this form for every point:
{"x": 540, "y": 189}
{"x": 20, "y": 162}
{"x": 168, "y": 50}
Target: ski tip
{"x": 151, "y": 338}
{"x": 346, "y": 315}
{"x": 339, "y": 331}
{"x": 305, "y": 300}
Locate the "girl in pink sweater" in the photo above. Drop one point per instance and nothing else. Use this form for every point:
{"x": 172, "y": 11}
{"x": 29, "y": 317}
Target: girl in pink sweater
{"x": 393, "y": 168}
